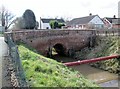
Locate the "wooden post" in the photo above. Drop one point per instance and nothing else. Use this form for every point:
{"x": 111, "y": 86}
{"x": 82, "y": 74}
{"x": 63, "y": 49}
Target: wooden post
{"x": 105, "y": 33}
{"x": 49, "y": 52}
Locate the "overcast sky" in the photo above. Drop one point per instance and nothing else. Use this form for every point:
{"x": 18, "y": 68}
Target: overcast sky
{"x": 63, "y": 8}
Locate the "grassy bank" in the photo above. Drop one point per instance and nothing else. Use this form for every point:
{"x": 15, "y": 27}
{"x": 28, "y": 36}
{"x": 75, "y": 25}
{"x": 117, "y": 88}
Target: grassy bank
{"x": 44, "y": 72}
{"x": 106, "y": 46}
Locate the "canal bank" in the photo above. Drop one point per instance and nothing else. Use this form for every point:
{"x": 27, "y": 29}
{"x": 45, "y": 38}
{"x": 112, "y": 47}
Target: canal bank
{"x": 99, "y": 76}
{"x": 105, "y": 46}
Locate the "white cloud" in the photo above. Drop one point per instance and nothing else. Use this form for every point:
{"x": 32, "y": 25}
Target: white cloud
{"x": 63, "y": 8}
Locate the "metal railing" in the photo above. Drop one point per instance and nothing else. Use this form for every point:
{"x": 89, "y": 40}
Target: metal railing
{"x": 93, "y": 60}
{"x": 16, "y": 62}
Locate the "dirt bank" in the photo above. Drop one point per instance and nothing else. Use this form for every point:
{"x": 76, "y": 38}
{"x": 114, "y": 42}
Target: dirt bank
{"x": 105, "y": 46}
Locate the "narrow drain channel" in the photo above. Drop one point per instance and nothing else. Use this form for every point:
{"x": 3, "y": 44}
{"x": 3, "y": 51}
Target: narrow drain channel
{"x": 103, "y": 78}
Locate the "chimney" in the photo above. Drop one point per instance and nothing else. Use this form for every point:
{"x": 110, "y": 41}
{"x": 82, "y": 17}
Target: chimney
{"x": 40, "y": 23}
{"x": 90, "y": 14}
{"x": 114, "y": 16}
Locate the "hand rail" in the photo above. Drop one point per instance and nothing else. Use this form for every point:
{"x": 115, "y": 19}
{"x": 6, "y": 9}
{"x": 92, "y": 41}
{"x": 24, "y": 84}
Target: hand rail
{"x": 91, "y": 60}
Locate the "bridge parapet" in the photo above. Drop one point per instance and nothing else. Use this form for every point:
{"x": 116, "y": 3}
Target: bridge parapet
{"x": 44, "y": 40}
{"x": 107, "y": 32}
{"x": 29, "y": 34}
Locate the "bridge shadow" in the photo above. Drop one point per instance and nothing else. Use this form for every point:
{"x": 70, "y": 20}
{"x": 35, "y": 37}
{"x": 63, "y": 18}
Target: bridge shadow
{"x": 57, "y": 49}
{"x": 63, "y": 59}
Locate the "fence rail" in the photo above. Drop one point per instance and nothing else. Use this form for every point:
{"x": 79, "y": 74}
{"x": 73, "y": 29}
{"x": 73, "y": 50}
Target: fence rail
{"x": 107, "y": 32}
{"x": 15, "y": 60}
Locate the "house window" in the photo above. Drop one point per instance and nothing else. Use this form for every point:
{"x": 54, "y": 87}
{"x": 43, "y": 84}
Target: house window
{"x": 80, "y": 26}
{"x": 84, "y": 26}
{"x": 76, "y": 26}
{"x": 47, "y": 27}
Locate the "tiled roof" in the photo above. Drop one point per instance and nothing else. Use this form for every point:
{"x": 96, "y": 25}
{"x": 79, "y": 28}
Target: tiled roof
{"x": 113, "y": 20}
{"x": 44, "y": 20}
{"x": 82, "y": 20}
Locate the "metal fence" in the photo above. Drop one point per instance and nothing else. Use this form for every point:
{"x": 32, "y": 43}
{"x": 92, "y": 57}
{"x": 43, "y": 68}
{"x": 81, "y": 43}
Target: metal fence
{"x": 16, "y": 62}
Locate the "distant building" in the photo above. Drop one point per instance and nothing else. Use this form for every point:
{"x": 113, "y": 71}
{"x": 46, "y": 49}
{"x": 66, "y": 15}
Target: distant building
{"x": 111, "y": 23}
{"x": 88, "y": 22}
{"x": 2, "y": 29}
{"x": 45, "y": 23}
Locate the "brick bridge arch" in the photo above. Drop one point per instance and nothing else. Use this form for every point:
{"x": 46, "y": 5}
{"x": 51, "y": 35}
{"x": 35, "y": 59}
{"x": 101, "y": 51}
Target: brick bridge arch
{"x": 59, "y": 48}
{"x": 44, "y": 40}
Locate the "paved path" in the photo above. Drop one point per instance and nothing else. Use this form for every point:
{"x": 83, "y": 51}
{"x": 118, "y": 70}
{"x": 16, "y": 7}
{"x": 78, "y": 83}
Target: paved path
{"x": 3, "y": 52}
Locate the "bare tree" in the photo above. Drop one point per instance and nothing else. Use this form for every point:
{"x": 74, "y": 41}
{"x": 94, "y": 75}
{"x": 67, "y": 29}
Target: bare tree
{"x": 6, "y": 17}
{"x": 19, "y": 23}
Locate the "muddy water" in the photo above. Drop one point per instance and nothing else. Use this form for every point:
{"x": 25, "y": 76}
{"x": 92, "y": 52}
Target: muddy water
{"x": 103, "y": 78}
{"x": 63, "y": 59}
{"x": 96, "y": 75}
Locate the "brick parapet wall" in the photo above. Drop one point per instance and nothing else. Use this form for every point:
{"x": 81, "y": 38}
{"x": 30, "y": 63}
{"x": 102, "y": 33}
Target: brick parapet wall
{"x": 42, "y": 40}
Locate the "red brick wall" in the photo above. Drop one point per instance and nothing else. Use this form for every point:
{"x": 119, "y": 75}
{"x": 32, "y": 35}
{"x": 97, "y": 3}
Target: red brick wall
{"x": 43, "y": 39}
{"x": 116, "y": 26}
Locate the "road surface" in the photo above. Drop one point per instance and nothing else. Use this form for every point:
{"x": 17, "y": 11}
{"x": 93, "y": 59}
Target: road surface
{"x": 3, "y": 52}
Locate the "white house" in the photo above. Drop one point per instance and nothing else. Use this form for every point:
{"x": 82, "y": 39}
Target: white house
{"x": 44, "y": 23}
{"x": 88, "y": 22}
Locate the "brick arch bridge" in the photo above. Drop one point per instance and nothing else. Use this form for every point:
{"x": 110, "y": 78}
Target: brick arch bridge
{"x": 64, "y": 41}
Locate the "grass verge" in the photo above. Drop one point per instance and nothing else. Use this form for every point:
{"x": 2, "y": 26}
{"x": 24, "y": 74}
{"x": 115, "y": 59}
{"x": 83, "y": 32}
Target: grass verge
{"x": 44, "y": 72}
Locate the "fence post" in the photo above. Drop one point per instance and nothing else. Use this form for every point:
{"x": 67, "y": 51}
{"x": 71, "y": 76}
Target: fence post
{"x": 105, "y": 33}
{"x": 16, "y": 62}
